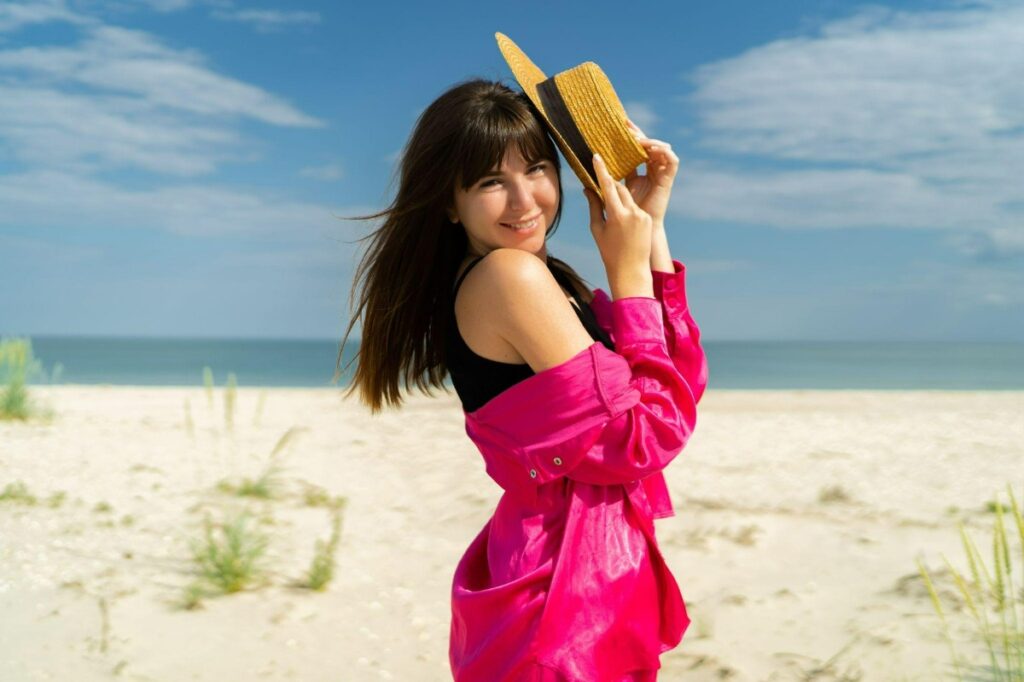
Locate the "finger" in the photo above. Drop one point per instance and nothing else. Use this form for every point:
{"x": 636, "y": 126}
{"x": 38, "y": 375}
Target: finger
{"x": 661, "y": 152}
{"x": 635, "y": 126}
{"x": 625, "y": 197}
{"x": 596, "y": 212}
{"x": 651, "y": 143}
{"x": 612, "y": 198}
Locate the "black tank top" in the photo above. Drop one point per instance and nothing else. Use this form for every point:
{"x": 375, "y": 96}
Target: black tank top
{"x": 478, "y": 379}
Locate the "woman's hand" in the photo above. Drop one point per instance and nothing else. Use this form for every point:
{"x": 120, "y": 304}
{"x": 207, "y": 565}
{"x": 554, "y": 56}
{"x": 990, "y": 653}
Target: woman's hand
{"x": 651, "y": 191}
{"x": 624, "y": 237}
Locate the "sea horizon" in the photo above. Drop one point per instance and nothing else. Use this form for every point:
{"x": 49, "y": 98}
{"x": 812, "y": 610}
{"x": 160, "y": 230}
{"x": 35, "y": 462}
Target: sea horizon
{"x": 308, "y": 363}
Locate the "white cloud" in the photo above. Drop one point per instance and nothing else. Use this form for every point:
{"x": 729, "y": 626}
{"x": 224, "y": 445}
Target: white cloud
{"x": 119, "y": 60}
{"x": 328, "y": 172}
{"x": 265, "y": 21}
{"x": 821, "y": 198}
{"x": 168, "y": 5}
{"x": 120, "y": 98}
{"x": 189, "y": 209}
{"x": 898, "y": 119}
{"x": 47, "y": 128}
{"x": 643, "y": 116}
{"x": 16, "y": 15}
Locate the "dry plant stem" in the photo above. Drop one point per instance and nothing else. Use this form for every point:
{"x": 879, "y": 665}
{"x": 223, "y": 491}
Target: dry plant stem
{"x": 230, "y": 391}
{"x": 208, "y": 386}
{"x": 942, "y": 616}
{"x": 974, "y": 559}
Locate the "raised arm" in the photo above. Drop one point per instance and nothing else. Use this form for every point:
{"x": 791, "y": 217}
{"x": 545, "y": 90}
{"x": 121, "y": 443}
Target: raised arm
{"x": 682, "y": 335}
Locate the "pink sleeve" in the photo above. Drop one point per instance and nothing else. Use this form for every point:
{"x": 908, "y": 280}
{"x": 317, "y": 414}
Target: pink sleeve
{"x": 644, "y": 413}
{"x": 682, "y": 335}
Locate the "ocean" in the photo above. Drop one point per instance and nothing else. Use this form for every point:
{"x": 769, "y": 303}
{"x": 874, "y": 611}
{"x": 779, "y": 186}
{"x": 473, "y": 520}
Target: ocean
{"x": 731, "y": 364}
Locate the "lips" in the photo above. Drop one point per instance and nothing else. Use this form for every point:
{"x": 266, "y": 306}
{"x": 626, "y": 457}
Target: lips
{"x": 524, "y": 224}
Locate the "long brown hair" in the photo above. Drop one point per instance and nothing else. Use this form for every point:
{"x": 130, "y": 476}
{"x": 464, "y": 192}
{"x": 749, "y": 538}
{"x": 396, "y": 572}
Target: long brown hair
{"x": 408, "y": 271}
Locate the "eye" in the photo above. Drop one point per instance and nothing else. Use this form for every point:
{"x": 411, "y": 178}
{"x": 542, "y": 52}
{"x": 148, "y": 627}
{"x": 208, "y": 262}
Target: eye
{"x": 541, "y": 166}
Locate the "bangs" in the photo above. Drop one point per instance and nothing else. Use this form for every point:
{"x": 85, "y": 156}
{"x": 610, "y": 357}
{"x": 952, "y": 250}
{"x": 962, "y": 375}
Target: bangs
{"x": 483, "y": 147}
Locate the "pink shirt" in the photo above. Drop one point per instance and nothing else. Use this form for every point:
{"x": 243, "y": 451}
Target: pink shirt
{"x": 566, "y": 577}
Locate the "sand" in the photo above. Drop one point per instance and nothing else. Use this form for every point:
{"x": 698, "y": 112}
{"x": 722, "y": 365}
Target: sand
{"x": 780, "y": 583}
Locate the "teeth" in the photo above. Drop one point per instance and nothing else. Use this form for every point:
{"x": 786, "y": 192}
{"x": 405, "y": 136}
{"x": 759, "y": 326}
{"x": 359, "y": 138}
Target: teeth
{"x": 521, "y": 226}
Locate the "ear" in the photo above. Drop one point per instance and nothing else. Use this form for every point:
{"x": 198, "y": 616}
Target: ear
{"x": 452, "y": 217}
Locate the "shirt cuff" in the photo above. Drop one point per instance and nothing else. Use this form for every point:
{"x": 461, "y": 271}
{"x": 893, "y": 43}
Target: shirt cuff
{"x": 670, "y": 287}
{"x": 637, "y": 319}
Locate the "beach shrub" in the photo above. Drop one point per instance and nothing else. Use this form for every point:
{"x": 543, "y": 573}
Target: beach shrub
{"x": 231, "y": 562}
{"x": 17, "y": 493}
{"x": 993, "y": 600}
{"x": 17, "y": 368}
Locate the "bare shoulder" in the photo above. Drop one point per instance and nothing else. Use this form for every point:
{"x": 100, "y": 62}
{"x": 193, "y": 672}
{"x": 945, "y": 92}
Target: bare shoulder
{"x": 513, "y": 294}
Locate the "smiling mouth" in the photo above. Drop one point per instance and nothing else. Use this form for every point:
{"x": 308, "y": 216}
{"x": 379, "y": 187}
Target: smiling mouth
{"x": 523, "y": 226}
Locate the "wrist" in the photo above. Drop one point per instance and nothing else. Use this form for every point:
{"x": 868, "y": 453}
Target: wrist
{"x": 631, "y": 282}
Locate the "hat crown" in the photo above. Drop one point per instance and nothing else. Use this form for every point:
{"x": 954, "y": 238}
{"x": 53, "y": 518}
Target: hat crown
{"x": 583, "y": 114}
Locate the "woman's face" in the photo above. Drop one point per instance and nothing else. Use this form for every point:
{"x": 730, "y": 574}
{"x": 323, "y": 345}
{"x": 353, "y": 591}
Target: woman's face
{"x": 517, "y": 193}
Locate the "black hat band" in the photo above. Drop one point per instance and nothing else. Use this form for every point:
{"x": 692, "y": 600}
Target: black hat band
{"x": 559, "y": 116}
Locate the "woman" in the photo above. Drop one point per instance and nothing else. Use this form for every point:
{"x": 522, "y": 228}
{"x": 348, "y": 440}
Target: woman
{"x": 576, "y": 401}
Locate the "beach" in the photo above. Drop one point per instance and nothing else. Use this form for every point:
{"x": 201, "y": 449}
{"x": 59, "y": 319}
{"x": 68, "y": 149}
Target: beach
{"x": 799, "y": 517}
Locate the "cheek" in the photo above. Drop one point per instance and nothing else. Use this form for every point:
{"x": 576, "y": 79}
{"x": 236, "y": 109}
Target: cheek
{"x": 551, "y": 194}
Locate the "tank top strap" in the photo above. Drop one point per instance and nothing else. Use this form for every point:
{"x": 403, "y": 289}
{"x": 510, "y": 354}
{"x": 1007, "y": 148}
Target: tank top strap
{"x": 564, "y": 281}
{"x": 463, "y": 275}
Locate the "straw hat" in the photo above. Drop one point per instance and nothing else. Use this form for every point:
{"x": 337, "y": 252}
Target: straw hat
{"x": 583, "y": 114}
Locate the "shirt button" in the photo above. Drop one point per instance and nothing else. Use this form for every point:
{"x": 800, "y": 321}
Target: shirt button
{"x": 533, "y": 473}
{"x": 557, "y": 461}
{"x": 670, "y": 284}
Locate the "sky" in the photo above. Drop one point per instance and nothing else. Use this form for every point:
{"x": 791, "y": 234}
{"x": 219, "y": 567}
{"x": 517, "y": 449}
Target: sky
{"x": 182, "y": 168}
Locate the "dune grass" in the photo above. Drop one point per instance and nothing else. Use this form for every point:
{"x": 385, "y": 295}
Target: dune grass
{"x": 17, "y": 493}
{"x": 321, "y": 570}
{"x": 208, "y": 386}
{"x": 270, "y": 483}
{"x": 234, "y": 560}
{"x": 228, "y": 560}
{"x": 230, "y": 399}
{"x": 17, "y": 368}
{"x": 993, "y": 601}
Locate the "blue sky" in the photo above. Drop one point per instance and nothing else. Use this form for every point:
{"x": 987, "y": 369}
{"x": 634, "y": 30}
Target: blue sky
{"x": 177, "y": 167}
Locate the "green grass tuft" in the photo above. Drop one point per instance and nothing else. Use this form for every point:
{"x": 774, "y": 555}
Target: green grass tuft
{"x": 17, "y": 493}
{"x": 208, "y": 385}
{"x": 232, "y": 559}
{"x": 230, "y": 397}
{"x": 321, "y": 571}
{"x": 17, "y": 368}
{"x": 992, "y": 601}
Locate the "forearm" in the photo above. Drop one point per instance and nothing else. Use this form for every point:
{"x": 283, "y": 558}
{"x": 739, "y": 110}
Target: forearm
{"x": 661, "y": 259}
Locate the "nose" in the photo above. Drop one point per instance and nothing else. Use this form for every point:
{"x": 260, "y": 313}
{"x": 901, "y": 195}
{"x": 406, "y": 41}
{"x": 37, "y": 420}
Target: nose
{"x": 520, "y": 196}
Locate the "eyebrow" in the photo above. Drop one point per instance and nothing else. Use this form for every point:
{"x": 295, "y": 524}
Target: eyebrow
{"x": 498, "y": 174}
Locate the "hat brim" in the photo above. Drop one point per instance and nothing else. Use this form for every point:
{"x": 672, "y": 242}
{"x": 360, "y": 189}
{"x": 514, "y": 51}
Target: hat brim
{"x": 529, "y": 76}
